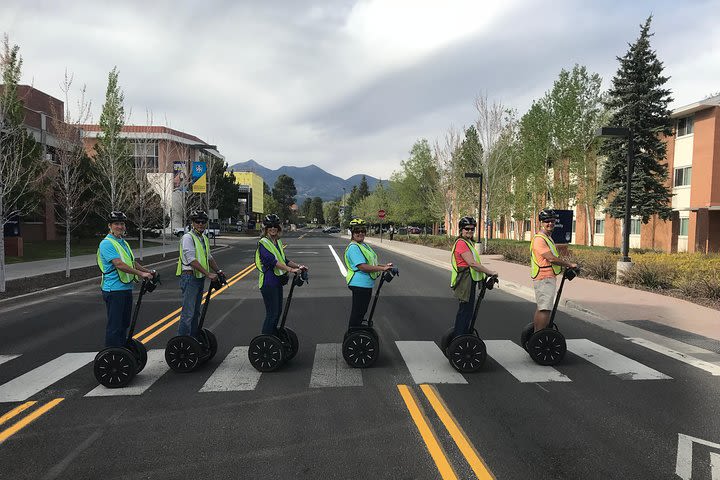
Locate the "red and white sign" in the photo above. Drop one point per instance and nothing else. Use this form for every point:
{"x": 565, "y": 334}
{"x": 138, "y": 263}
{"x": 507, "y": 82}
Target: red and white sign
{"x": 381, "y": 213}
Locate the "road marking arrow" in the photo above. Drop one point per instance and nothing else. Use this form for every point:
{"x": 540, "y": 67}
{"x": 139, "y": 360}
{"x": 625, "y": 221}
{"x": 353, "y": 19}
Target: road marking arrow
{"x": 683, "y": 465}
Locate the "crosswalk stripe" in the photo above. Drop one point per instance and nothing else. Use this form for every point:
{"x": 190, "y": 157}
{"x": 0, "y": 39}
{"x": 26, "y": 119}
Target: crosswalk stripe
{"x": 154, "y": 369}
{"x": 330, "y": 369}
{"x": 683, "y": 357}
{"x": 7, "y": 358}
{"x": 27, "y": 385}
{"x": 619, "y": 365}
{"x": 235, "y": 373}
{"x": 427, "y": 364}
{"x": 516, "y": 360}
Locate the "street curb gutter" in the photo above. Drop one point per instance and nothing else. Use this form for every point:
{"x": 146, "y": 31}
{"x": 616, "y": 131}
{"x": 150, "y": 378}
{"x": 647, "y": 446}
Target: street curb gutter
{"x": 59, "y": 288}
{"x": 579, "y": 311}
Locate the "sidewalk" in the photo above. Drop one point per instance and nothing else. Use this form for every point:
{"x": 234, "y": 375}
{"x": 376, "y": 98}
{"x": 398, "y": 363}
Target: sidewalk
{"x": 605, "y": 301}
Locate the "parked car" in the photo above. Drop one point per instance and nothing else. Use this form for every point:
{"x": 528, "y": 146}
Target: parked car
{"x": 414, "y": 229}
{"x": 211, "y": 231}
{"x": 332, "y": 230}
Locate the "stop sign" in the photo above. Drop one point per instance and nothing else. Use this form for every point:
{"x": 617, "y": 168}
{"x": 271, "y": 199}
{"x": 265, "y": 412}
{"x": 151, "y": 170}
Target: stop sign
{"x": 381, "y": 213}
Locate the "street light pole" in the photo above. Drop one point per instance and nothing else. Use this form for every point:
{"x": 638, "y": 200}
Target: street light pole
{"x": 480, "y": 222}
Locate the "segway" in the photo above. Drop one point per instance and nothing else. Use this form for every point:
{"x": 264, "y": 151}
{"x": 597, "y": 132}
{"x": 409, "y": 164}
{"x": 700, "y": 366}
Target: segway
{"x": 267, "y": 353}
{"x": 361, "y": 345}
{"x": 467, "y": 352}
{"x": 184, "y": 353}
{"x": 114, "y": 367}
{"x": 548, "y": 346}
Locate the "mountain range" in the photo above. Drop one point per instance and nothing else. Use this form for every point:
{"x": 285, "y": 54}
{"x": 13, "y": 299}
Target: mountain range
{"x": 310, "y": 181}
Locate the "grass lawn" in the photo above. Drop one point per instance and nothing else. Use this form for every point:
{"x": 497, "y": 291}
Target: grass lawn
{"x": 44, "y": 250}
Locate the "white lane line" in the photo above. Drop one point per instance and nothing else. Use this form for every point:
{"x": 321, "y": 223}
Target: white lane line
{"x": 154, "y": 369}
{"x": 619, "y": 365}
{"x": 427, "y": 364}
{"x": 343, "y": 270}
{"x": 7, "y": 358}
{"x": 715, "y": 465}
{"x": 27, "y": 385}
{"x": 330, "y": 369}
{"x": 697, "y": 363}
{"x": 515, "y": 359}
{"x": 234, "y": 374}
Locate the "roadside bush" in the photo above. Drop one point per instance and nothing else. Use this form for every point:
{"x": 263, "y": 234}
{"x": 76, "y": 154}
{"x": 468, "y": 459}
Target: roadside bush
{"x": 650, "y": 275}
{"x": 598, "y": 265}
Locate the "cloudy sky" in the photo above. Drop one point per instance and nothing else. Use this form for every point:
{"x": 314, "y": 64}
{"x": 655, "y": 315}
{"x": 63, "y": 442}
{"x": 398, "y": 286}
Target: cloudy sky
{"x": 346, "y": 85}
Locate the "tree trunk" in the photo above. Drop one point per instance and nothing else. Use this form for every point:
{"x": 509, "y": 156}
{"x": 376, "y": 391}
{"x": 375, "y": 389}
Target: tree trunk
{"x": 67, "y": 248}
{"x": 2, "y": 257}
{"x": 589, "y": 224}
{"x": 141, "y": 245}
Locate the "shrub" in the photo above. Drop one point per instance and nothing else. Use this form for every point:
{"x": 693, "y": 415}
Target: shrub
{"x": 650, "y": 275}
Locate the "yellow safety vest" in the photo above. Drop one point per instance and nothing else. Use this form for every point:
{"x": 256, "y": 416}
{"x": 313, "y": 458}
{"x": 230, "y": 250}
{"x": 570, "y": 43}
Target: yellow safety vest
{"x": 370, "y": 258}
{"x": 534, "y": 266}
{"x": 476, "y": 276}
{"x": 277, "y": 251}
{"x": 127, "y": 258}
{"x": 202, "y": 255}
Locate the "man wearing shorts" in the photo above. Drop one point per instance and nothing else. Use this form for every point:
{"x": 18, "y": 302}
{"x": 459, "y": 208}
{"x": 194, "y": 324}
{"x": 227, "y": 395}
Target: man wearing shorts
{"x": 545, "y": 265}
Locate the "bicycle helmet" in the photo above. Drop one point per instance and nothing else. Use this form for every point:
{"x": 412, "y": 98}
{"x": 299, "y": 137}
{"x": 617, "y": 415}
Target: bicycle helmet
{"x": 271, "y": 220}
{"x": 116, "y": 217}
{"x": 466, "y": 221}
{"x": 547, "y": 214}
{"x": 358, "y": 224}
{"x": 199, "y": 216}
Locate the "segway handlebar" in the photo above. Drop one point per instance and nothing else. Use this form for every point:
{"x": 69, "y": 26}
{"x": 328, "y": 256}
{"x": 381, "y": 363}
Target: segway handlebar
{"x": 571, "y": 273}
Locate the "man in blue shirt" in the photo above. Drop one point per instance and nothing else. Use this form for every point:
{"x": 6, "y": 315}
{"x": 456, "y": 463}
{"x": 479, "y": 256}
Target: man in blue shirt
{"x": 120, "y": 270}
{"x": 362, "y": 270}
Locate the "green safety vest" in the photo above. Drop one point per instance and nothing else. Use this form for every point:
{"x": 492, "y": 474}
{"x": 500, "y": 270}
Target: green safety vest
{"x": 202, "y": 255}
{"x": 370, "y": 259}
{"x": 127, "y": 258}
{"x": 476, "y": 276}
{"x": 534, "y": 266}
{"x": 277, "y": 251}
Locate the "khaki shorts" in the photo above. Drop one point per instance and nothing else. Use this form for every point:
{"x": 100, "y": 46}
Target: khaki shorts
{"x": 545, "y": 293}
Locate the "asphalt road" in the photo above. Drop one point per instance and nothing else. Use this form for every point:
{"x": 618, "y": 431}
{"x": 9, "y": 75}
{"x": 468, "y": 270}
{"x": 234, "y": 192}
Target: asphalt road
{"x": 409, "y": 417}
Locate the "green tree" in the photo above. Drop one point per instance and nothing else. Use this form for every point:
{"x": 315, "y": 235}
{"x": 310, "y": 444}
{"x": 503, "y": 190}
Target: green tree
{"x": 639, "y": 101}
{"x": 112, "y": 156}
{"x": 284, "y": 192}
{"x": 331, "y": 213}
{"x": 317, "y": 210}
{"x": 226, "y": 191}
{"x": 363, "y": 188}
{"x": 417, "y": 185}
{"x": 306, "y": 207}
{"x": 22, "y": 169}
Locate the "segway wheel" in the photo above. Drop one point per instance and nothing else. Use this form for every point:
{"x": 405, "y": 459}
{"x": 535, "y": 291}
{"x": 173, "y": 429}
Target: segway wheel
{"x": 266, "y": 353}
{"x": 182, "y": 353}
{"x": 445, "y": 340}
{"x": 140, "y": 352}
{"x": 115, "y": 367}
{"x": 361, "y": 349}
{"x": 547, "y": 347}
{"x": 210, "y": 343}
{"x": 289, "y": 337}
{"x": 525, "y": 335}
{"x": 467, "y": 353}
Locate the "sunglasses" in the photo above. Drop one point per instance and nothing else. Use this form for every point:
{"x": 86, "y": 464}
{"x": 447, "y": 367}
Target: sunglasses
{"x": 200, "y": 222}
{"x": 469, "y": 229}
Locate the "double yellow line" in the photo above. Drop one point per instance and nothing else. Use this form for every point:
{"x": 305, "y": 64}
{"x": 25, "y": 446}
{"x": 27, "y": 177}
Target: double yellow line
{"x": 427, "y": 433}
{"x": 24, "y": 422}
{"x": 173, "y": 317}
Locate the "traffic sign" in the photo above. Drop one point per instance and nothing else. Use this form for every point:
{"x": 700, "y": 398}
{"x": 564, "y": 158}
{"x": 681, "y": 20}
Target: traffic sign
{"x": 381, "y": 213}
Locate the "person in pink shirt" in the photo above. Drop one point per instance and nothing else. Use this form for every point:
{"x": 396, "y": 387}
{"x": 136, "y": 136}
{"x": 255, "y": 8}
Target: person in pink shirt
{"x": 545, "y": 265}
{"x": 466, "y": 272}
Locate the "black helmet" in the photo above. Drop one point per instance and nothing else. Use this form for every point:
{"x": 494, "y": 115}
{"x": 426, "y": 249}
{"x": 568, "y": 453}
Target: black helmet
{"x": 547, "y": 214}
{"x": 199, "y": 215}
{"x": 117, "y": 216}
{"x": 465, "y": 221}
{"x": 271, "y": 220}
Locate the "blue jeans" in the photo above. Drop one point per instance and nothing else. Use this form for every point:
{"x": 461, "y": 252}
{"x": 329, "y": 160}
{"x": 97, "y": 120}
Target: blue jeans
{"x": 119, "y": 310}
{"x": 192, "y": 290}
{"x": 465, "y": 313}
{"x": 273, "y": 298}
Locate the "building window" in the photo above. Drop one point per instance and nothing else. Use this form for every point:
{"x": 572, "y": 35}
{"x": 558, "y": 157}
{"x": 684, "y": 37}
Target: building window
{"x": 683, "y": 176}
{"x": 635, "y": 226}
{"x": 599, "y": 226}
{"x": 527, "y": 227}
{"x": 684, "y": 126}
{"x": 684, "y": 224}
{"x": 145, "y": 155}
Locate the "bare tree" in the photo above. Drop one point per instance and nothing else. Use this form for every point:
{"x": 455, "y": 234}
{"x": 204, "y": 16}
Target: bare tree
{"x": 21, "y": 166}
{"x": 446, "y": 155}
{"x": 492, "y": 123}
{"x": 69, "y": 183}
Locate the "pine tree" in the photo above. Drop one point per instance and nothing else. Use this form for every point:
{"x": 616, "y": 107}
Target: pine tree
{"x": 639, "y": 102}
{"x": 363, "y": 189}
